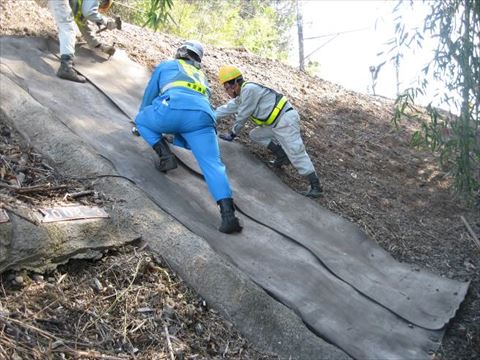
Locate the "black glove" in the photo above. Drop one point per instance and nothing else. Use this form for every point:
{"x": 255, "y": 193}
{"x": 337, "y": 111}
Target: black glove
{"x": 227, "y": 137}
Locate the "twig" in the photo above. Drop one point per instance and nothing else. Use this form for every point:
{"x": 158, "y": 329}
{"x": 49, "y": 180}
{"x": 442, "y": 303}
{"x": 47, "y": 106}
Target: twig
{"x": 169, "y": 343}
{"x": 78, "y": 194}
{"x": 30, "y": 189}
{"x": 90, "y": 354}
{"x": 472, "y": 234}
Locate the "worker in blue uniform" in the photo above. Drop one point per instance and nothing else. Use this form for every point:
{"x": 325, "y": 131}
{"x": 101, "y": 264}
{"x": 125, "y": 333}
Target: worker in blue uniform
{"x": 176, "y": 101}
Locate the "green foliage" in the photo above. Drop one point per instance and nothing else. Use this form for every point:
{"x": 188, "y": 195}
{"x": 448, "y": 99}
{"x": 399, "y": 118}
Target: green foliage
{"x": 456, "y": 62}
{"x": 158, "y": 12}
{"x": 312, "y": 67}
{"x": 260, "y": 26}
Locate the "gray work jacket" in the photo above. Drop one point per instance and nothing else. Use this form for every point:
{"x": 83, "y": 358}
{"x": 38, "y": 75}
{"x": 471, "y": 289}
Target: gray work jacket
{"x": 254, "y": 100}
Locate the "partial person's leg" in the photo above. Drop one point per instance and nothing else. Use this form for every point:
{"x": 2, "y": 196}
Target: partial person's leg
{"x": 152, "y": 122}
{"x": 205, "y": 148}
{"x": 265, "y": 137}
{"x": 287, "y": 133}
{"x": 90, "y": 37}
{"x": 88, "y": 34}
{"x": 62, "y": 13}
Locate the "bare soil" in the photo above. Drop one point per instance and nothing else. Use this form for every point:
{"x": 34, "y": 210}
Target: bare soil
{"x": 371, "y": 175}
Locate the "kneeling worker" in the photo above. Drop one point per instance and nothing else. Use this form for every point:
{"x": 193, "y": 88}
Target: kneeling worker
{"x": 277, "y": 123}
{"x": 176, "y": 101}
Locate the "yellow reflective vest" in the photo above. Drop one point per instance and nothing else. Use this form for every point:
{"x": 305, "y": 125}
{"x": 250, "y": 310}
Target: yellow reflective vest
{"x": 280, "y": 102}
{"x": 190, "y": 78}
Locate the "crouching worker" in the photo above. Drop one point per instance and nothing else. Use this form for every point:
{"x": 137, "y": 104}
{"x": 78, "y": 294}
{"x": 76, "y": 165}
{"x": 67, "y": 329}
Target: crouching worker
{"x": 83, "y": 13}
{"x": 176, "y": 101}
{"x": 277, "y": 123}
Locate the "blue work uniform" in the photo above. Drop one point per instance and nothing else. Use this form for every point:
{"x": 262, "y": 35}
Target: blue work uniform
{"x": 176, "y": 101}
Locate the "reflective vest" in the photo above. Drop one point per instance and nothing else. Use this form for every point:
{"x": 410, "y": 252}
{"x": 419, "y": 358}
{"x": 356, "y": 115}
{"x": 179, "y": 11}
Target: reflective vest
{"x": 76, "y": 6}
{"x": 189, "y": 77}
{"x": 280, "y": 102}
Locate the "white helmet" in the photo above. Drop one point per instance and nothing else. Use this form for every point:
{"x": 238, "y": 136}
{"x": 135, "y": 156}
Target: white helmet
{"x": 190, "y": 45}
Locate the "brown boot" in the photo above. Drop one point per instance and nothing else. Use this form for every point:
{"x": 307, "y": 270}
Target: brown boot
{"x": 66, "y": 70}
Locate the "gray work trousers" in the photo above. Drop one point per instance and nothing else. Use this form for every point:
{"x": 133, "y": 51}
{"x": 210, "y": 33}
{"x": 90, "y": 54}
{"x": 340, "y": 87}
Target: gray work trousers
{"x": 63, "y": 15}
{"x": 286, "y": 132}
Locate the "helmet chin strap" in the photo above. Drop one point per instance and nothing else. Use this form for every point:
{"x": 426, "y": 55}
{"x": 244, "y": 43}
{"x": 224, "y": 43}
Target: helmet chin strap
{"x": 235, "y": 91}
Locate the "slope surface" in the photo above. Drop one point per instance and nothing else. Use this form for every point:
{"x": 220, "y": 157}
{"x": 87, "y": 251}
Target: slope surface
{"x": 288, "y": 256}
{"x": 418, "y": 296}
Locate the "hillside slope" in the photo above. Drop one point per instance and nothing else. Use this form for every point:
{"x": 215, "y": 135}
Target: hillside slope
{"x": 370, "y": 174}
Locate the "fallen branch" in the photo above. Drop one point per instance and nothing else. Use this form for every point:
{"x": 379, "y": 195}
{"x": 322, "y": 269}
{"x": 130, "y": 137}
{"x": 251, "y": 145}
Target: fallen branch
{"x": 472, "y": 234}
{"x": 91, "y": 354}
{"x": 77, "y": 195}
{"x": 169, "y": 343}
{"x": 30, "y": 189}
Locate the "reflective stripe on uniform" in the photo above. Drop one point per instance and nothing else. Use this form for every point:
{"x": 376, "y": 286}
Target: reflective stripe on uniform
{"x": 194, "y": 86}
{"x": 199, "y": 80}
{"x": 273, "y": 115}
{"x": 280, "y": 103}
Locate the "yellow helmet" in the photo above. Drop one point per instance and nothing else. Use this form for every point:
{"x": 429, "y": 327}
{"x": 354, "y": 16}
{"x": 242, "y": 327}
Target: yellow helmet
{"x": 104, "y": 5}
{"x": 227, "y": 73}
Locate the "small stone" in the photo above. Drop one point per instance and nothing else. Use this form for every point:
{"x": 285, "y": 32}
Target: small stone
{"x": 179, "y": 354}
{"x": 5, "y": 131}
{"x": 37, "y": 278}
{"x": 190, "y": 310}
{"x": 199, "y": 329}
{"x": 97, "y": 285}
{"x": 21, "y": 178}
{"x": 19, "y": 279}
{"x": 168, "y": 312}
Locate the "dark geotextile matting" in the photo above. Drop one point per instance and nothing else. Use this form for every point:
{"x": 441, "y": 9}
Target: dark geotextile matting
{"x": 344, "y": 286}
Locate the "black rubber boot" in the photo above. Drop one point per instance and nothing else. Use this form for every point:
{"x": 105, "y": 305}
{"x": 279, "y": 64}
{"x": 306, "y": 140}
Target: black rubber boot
{"x": 166, "y": 159}
{"x": 281, "y": 157}
{"x": 315, "y": 187}
{"x": 230, "y": 223}
{"x": 66, "y": 70}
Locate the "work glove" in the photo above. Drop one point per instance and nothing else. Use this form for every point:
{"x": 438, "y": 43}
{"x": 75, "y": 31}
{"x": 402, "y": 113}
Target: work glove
{"x": 111, "y": 24}
{"x": 227, "y": 137}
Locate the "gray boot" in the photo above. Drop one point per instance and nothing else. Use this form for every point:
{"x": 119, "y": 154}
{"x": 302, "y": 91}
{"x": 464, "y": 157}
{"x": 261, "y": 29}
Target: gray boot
{"x": 166, "y": 159}
{"x": 315, "y": 187}
{"x": 107, "y": 49}
{"x": 281, "y": 157}
{"x": 230, "y": 223}
{"x": 66, "y": 70}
